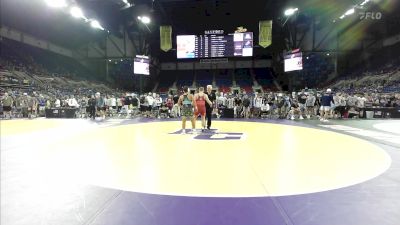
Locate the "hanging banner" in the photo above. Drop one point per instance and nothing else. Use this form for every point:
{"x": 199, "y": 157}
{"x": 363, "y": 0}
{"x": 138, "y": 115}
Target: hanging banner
{"x": 265, "y": 29}
{"x": 165, "y": 38}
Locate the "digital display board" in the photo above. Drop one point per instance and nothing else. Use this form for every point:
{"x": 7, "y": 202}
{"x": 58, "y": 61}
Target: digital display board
{"x": 141, "y": 65}
{"x": 293, "y": 61}
{"x": 214, "y": 45}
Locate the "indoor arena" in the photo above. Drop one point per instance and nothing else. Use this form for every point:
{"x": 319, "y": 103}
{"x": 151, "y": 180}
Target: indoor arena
{"x": 200, "y": 112}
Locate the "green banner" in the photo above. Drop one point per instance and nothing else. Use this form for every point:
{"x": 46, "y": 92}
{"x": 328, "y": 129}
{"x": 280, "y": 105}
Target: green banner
{"x": 265, "y": 29}
{"x": 165, "y": 38}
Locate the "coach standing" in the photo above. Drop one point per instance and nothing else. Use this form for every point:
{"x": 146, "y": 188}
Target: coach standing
{"x": 209, "y": 109}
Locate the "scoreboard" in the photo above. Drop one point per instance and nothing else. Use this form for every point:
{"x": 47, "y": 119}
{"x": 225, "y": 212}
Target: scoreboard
{"x": 214, "y": 45}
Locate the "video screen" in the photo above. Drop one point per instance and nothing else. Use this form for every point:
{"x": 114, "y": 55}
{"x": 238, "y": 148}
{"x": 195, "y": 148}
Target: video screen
{"x": 141, "y": 65}
{"x": 214, "y": 45}
{"x": 293, "y": 62}
{"x": 185, "y": 46}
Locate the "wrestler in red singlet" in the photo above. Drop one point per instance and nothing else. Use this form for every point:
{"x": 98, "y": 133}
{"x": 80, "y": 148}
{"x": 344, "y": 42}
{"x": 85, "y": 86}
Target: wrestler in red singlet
{"x": 201, "y": 106}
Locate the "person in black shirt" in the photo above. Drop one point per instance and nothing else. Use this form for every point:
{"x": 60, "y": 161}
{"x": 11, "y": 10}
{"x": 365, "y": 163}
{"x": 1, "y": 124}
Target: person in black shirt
{"x": 246, "y": 106}
{"x": 209, "y": 109}
{"x": 176, "y": 98}
{"x": 127, "y": 102}
{"x": 302, "y": 98}
{"x": 92, "y": 107}
{"x": 135, "y": 101}
{"x": 142, "y": 100}
{"x": 238, "y": 106}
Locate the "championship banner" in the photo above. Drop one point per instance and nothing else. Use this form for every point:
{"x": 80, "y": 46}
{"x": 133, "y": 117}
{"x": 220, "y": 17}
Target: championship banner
{"x": 265, "y": 36}
{"x": 165, "y": 38}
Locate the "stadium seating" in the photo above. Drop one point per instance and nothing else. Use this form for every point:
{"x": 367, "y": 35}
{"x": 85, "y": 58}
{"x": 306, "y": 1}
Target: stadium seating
{"x": 244, "y": 79}
{"x": 204, "y": 78}
{"x": 264, "y": 78}
{"x": 184, "y": 78}
{"x": 224, "y": 89}
{"x": 26, "y": 67}
{"x": 167, "y": 79}
{"x": 223, "y": 80}
{"x": 384, "y": 78}
{"x": 316, "y": 69}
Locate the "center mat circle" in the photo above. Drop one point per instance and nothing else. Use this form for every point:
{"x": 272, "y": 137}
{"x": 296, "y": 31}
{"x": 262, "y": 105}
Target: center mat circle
{"x": 240, "y": 159}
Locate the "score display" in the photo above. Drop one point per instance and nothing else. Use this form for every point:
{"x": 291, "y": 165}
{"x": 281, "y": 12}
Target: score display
{"x": 141, "y": 65}
{"x": 293, "y": 61}
{"x": 214, "y": 45}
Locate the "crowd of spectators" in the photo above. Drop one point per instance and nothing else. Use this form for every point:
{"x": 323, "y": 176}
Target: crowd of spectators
{"x": 27, "y": 89}
{"x": 306, "y": 104}
{"x": 37, "y": 90}
{"x": 384, "y": 79}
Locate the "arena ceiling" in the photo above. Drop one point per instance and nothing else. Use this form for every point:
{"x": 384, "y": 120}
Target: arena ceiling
{"x": 186, "y": 16}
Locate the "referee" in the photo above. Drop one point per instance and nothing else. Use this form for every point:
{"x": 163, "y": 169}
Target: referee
{"x": 209, "y": 109}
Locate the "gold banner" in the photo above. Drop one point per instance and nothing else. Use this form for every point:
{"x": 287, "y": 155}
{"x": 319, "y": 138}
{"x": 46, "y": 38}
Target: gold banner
{"x": 265, "y": 29}
{"x": 165, "y": 38}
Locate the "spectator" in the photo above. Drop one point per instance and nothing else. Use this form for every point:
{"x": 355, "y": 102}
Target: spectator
{"x": 7, "y": 103}
{"x": 326, "y": 101}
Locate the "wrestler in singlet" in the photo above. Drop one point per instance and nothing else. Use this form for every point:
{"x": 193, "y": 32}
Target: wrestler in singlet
{"x": 201, "y": 106}
{"x": 187, "y": 108}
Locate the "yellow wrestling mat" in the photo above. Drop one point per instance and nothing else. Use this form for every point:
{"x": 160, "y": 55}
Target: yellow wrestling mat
{"x": 240, "y": 159}
{"x": 20, "y": 126}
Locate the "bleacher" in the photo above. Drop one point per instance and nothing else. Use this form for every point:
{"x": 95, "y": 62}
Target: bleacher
{"x": 244, "y": 79}
{"x": 204, "y": 78}
{"x": 184, "y": 78}
{"x": 316, "y": 69}
{"x": 27, "y": 67}
{"x": 264, "y": 78}
{"x": 223, "y": 80}
{"x": 385, "y": 79}
{"x": 167, "y": 79}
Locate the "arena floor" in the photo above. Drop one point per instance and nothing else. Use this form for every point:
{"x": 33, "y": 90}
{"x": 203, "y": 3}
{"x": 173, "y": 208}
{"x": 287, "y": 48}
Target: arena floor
{"x": 144, "y": 172}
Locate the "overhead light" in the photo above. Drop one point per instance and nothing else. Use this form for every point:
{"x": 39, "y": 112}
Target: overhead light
{"x": 77, "y": 13}
{"x": 144, "y": 19}
{"x": 122, "y": 60}
{"x": 96, "y": 24}
{"x": 349, "y": 12}
{"x": 109, "y": 60}
{"x": 342, "y": 17}
{"x": 127, "y": 3}
{"x": 290, "y": 12}
{"x": 56, "y": 3}
{"x": 364, "y": 2}
{"x": 308, "y": 57}
{"x": 327, "y": 54}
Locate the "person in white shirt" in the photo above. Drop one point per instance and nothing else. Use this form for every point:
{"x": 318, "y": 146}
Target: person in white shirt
{"x": 150, "y": 100}
{"x": 72, "y": 102}
{"x": 361, "y": 101}
{"x": 149, "y": 103}
{"x": 113, "y": 102}
{"x": 222, "y": 100}
{"x": 257, "y": 103}
{"x": 158, "y": 101}
{"x": 230, "y": 102}
{"x": 335, "y": 105}
{"x": 221, "y": 103}
{"x": 57, "y": 103}
{"x": 157, "y": 105}
{"x": 264, "y": 108}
